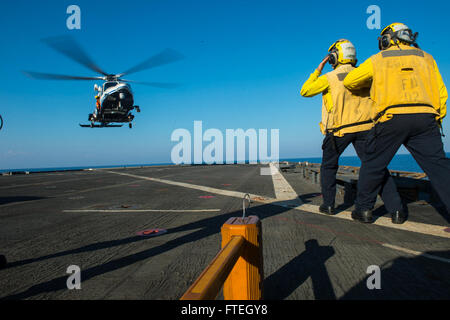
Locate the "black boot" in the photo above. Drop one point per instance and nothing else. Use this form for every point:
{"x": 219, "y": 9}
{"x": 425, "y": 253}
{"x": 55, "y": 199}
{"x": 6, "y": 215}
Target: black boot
{"x": 399, "y": 217}
{"x": 364, "y": 216}
{"x": 327, "y": 209}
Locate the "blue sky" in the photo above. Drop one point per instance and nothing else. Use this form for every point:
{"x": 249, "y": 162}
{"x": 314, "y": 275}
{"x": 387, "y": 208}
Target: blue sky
{"x": 245, "y": 63}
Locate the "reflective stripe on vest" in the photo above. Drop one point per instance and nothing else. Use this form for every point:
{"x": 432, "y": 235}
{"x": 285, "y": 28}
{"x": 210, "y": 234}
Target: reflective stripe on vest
{"x": 402, "y": 53}
{"x": 341, "y": 76}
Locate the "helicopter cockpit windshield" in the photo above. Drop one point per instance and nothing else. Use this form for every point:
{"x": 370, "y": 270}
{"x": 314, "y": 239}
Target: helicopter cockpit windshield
{"x": 108, "y": 85}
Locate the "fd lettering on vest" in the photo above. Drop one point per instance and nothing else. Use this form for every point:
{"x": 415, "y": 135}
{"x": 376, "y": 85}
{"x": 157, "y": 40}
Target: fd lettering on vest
{"x": 404, "y": 81}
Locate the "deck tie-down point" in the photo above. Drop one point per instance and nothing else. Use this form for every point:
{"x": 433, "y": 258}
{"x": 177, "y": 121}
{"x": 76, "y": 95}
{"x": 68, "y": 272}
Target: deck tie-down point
{"x": 152, "y": 232}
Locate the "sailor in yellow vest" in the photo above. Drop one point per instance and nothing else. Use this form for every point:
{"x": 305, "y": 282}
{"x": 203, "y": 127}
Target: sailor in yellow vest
{"x": 410, "y": 102}
{"x": 346, "y": 118}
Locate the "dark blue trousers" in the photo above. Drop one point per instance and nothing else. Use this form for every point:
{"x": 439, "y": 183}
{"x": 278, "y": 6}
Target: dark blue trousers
{"x": 332, "y": 150}
{"x": 420, "y": 134}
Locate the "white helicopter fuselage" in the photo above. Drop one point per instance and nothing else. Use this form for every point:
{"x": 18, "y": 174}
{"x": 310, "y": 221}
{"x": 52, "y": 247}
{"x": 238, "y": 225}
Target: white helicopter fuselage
{"x": 115, "y": 103}
{"x": 115, "y": 95}
{"x": 114, "y": 99}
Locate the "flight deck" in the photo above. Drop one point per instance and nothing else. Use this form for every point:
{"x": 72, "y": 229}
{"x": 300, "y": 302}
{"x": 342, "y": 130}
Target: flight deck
{"x": 94, "y": 219}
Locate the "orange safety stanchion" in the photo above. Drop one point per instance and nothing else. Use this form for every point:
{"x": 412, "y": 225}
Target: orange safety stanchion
{"x": 238, "y": 267}
{"x": 209, "y": 283}
{"x": 245, "y": 281}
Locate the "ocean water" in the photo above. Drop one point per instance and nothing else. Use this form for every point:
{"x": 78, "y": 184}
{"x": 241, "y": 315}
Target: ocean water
{"x": 401, "y": 162}
{"x": 81, "y": 168}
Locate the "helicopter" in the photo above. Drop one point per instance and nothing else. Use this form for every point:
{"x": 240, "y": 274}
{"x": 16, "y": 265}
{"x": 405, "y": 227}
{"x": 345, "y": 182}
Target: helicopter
{"x": 114, "y": 98}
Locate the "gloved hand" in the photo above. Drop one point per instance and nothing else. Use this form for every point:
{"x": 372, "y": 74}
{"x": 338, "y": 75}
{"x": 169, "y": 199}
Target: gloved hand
{"x": 322, "y": 64}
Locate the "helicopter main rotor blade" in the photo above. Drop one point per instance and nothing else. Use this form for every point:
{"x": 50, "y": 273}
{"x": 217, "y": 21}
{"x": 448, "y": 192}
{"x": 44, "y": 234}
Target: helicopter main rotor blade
{"x": 164, "y": 85}
{"x": 71, "y": 49}
{"x": 165, "y": 57}
{"x": 51, "y": 76}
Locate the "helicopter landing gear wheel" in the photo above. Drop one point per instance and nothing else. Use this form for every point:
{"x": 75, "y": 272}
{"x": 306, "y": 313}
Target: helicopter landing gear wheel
{"x": 130, "y": 125}
{"x": 137, "y": 108}
{"x": 92, "y": 124}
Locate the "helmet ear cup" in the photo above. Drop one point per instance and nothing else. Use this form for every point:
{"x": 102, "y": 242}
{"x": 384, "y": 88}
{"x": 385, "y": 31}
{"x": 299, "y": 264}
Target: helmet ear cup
{"x": 384, "y": 41}
{"x": 333, "y": 58}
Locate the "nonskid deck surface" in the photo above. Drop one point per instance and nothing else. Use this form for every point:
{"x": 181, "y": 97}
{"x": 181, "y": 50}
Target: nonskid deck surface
{"x": 91, "y": 219}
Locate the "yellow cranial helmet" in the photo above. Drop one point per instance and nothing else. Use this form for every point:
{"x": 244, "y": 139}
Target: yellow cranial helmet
{"x": 342, "y": 52}
{"x": 395, "y": 33}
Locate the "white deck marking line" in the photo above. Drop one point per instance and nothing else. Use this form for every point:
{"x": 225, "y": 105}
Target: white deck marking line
{"x": 138, "y": 210}
{"x": 68, "y": 194}
{"x": 417, "y": 227}
{"x": 415, "y": 253}
{"x": 283, "y": 190}
{"x": 407, "y": 226}
{"x": 229, "y": 193}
